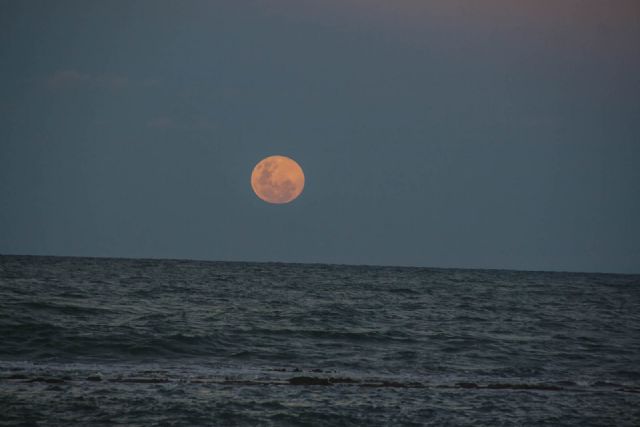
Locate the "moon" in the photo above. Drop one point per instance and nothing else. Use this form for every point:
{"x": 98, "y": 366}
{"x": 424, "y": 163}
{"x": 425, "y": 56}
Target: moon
{"x": 277, "y": 179}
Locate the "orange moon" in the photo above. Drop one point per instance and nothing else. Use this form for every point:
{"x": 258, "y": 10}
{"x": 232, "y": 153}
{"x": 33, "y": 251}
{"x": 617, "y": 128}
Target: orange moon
{"x": 277, "y": 179}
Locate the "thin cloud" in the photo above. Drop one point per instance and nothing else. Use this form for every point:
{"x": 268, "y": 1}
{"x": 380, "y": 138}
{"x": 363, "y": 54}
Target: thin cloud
{"x": 161, "y": 123}
{"x": 189, "y": 124}
{"x": 65, "y": 79}
{"x": 151, "y": 82}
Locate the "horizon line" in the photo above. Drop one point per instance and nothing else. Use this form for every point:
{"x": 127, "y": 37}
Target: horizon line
{"x": 151, "y": 258}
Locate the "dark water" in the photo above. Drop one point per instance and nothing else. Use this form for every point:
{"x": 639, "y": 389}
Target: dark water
{"x": 102, "y": 341}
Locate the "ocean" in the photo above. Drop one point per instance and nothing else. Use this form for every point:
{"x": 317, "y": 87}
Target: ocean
{"x": 90, "y": 341}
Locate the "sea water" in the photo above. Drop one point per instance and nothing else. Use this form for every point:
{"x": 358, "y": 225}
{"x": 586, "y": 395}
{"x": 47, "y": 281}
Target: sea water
{"x": 166, "y": 342}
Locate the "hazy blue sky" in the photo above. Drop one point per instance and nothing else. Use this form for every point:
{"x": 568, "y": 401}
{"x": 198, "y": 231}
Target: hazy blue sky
{"x": 494, "y": 134}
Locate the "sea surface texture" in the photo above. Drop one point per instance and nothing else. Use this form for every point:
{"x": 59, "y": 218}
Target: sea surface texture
{"x": 159, "y": 342}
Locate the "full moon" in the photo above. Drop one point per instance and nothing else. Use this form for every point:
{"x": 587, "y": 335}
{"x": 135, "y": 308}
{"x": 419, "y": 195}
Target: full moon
{"x": 277, "y": 179}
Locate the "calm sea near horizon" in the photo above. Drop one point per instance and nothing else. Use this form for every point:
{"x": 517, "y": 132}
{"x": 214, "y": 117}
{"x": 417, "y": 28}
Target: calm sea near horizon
{"x": 90, "y": 341}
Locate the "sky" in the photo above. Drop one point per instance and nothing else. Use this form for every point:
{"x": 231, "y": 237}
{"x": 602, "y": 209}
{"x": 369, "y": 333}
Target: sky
{"x": 493, "y": 134}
